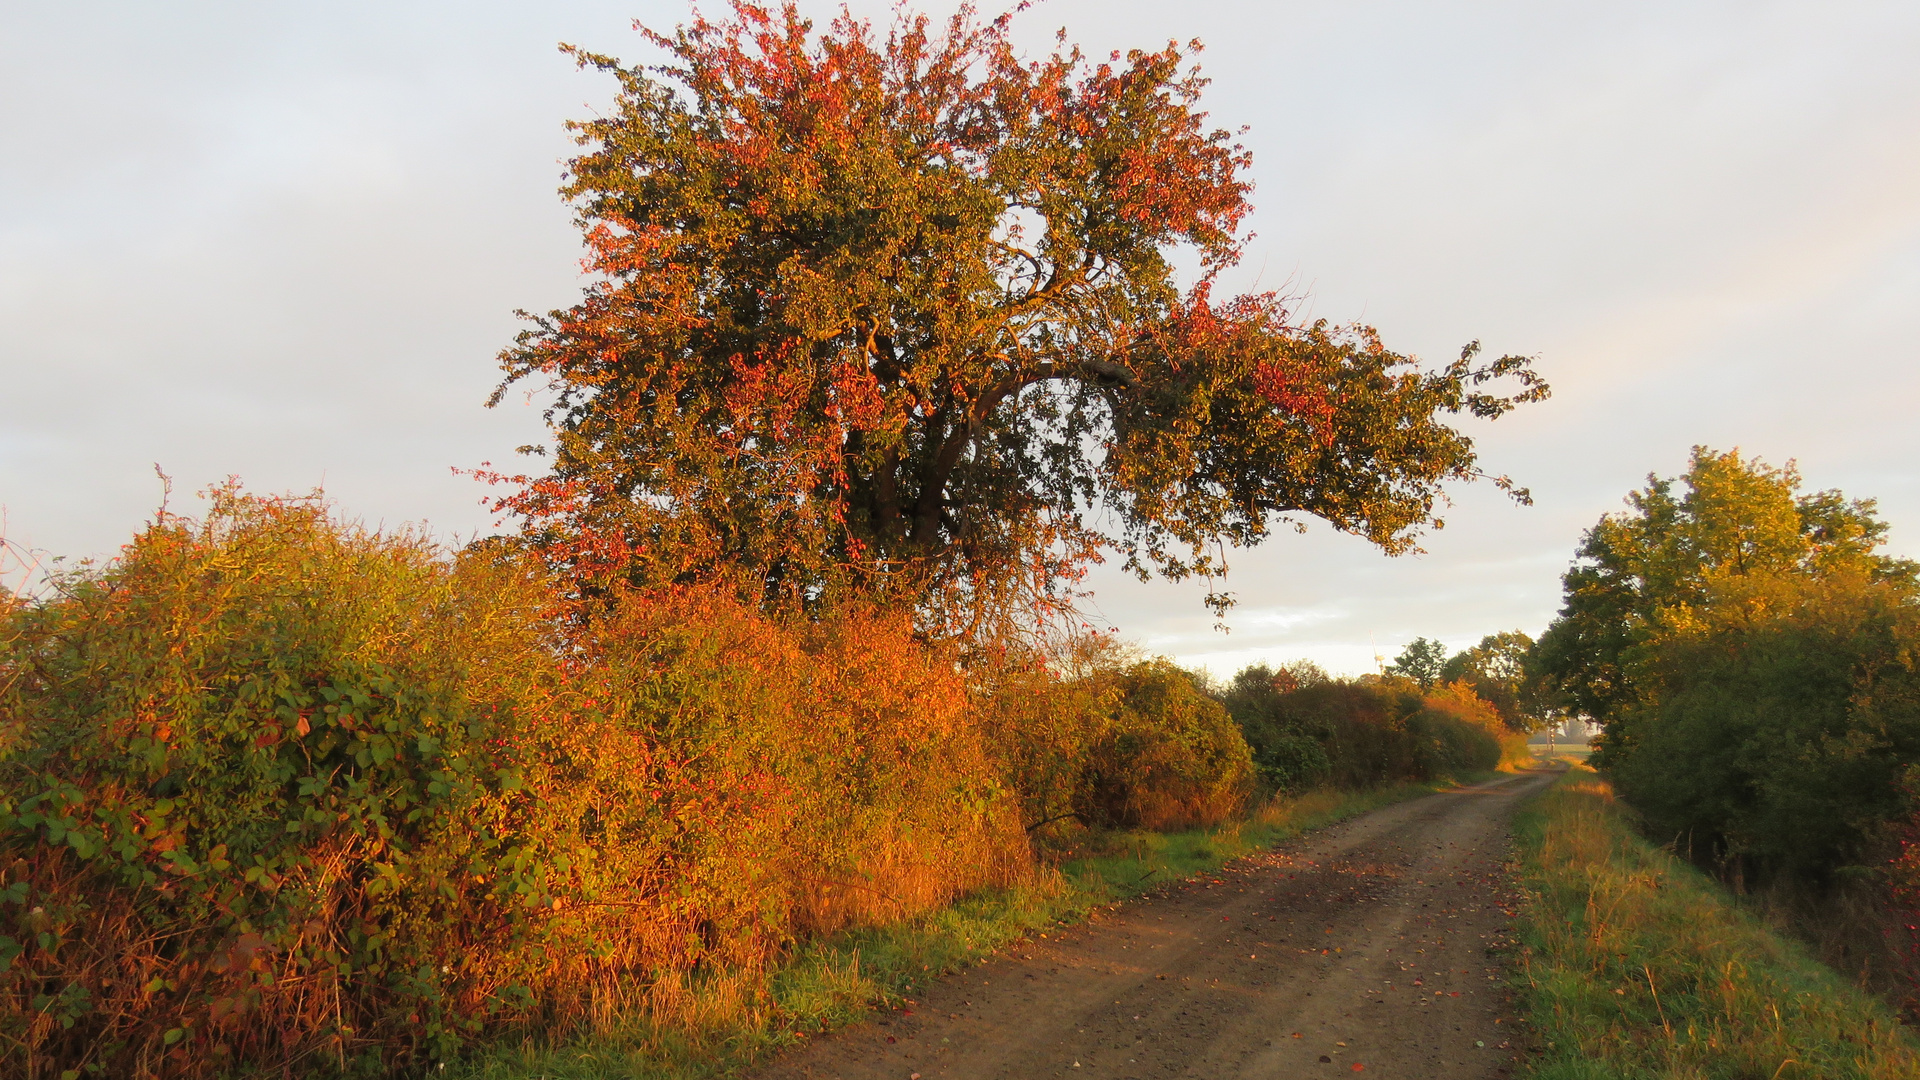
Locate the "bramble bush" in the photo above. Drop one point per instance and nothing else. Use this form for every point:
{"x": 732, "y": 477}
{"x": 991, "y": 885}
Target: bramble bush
{"x": 250, "y": 799}
{"x": 1172, "y": 759}
{"x": 1108, "y": 740}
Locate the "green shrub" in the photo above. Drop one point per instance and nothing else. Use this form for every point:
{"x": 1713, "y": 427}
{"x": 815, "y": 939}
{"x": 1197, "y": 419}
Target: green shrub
{"x": 1779, "y": 720}
{"x": 1173, "y": 757}
{"x": 1314, "y": 731}
{"x": 1289, "y": 753}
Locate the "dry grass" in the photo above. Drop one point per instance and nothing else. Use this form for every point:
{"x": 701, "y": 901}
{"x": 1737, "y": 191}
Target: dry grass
{"x": 1636, "y": 965}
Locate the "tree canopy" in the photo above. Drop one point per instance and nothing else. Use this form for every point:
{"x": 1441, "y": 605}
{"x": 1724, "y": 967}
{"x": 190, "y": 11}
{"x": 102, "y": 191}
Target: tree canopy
{"x": 899, "y": 315}
{"x": 1752, "y": 657}
{"x": 1422, "y": 660}
{"x": 1496, "y": 669}
{"x": 1661, "y": 563}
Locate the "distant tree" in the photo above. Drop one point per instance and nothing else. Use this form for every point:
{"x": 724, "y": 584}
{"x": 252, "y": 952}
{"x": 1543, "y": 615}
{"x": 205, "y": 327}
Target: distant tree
{"x": 893, "y": 316}
{"x": 1299, "y": 673}
{"x": 1423, "y": 660}
{"x": 1496, "y": 669}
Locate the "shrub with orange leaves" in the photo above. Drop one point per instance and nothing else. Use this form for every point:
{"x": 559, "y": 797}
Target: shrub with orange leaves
{"x": 278, "y": 793}
{"x": 1173, "y": 757}
{"x": 1474, "y": 716}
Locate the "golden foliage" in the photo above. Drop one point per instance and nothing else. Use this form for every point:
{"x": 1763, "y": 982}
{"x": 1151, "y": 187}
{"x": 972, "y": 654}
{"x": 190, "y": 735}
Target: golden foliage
{"x": 280, "y": 792}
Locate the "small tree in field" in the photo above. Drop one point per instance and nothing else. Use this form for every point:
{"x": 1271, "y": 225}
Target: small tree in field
{"x": 896, "y": 316}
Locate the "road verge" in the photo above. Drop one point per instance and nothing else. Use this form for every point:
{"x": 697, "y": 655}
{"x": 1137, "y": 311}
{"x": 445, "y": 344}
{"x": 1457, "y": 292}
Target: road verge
{"x": 1635, "y": 964}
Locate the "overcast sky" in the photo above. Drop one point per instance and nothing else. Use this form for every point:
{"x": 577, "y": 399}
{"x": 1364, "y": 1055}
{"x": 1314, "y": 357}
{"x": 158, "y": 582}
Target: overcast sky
{"x": 285, "y": 243}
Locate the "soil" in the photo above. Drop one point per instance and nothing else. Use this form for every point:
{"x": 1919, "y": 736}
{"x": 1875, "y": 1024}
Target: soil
{"x": 1373, "y": 946}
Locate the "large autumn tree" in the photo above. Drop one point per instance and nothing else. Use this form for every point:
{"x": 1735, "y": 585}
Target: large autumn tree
{"x": 900, "y": 315}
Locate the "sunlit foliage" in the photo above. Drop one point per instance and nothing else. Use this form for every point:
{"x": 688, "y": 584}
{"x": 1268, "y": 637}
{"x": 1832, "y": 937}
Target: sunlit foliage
{"x": 1308, "y": 729}
{"x": 1657, "y": 566}
{"x": 278, "y": 792}
{"x": 891, "y": 314}
{"x": 1497, "y": 670}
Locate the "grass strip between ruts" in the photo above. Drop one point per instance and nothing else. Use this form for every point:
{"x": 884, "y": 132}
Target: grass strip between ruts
{"x": 1634, "y": 964}
{"x": 844, "y": 978}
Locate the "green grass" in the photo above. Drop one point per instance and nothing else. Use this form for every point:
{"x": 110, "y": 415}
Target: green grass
{"x": 840, "y": 980}
{"x": 1634, "y": 964}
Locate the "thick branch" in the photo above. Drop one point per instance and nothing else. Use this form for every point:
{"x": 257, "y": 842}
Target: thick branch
{"x": 886, "y": 495}
{"x": 926, "y": 512}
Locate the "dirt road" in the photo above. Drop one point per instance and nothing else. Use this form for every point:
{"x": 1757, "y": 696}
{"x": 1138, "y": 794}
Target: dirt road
{"x": 1371, "y": 946}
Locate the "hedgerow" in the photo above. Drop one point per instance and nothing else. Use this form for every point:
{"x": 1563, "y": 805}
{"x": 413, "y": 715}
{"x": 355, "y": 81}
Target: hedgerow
{"x": 279, "y": 794}
{"x": 1357, "y": 733}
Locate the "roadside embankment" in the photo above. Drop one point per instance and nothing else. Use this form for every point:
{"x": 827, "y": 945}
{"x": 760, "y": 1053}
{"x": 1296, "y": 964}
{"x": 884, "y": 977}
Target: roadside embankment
{"x": 1634, "y": 964}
